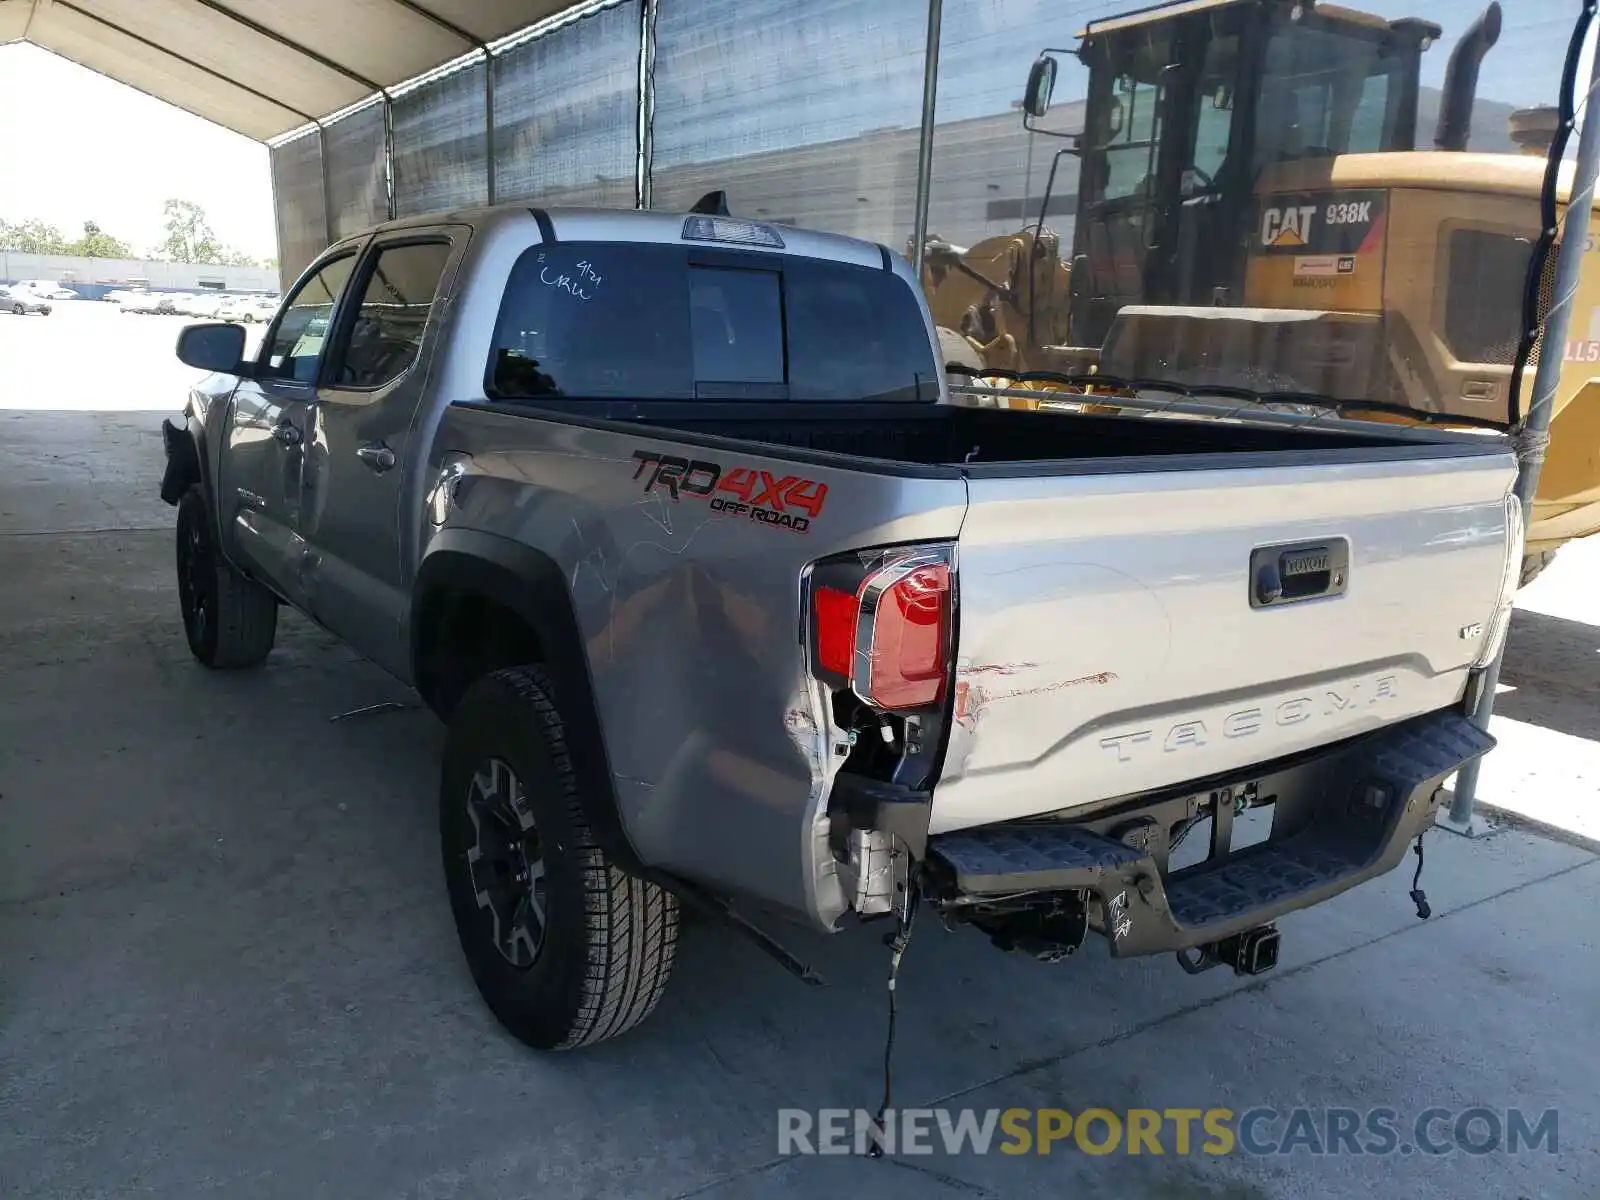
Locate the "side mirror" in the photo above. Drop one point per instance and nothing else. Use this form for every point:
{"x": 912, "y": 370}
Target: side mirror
{"x": 214, "y": 346}
{"x": 1041, "y": 83}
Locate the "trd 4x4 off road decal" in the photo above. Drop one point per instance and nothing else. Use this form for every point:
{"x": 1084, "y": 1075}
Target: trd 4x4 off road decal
{"x": 784, "y": 501}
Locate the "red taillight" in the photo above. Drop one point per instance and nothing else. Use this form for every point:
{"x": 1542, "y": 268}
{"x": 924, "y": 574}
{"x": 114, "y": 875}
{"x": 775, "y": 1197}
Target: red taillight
{"x": 898, "y": 616}
{"x": 836, "y": 629}
{"x": 910, "y": 640}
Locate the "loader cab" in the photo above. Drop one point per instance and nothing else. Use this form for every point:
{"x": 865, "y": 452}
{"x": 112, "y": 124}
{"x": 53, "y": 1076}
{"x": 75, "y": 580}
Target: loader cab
{"x": 1187, "y": 106}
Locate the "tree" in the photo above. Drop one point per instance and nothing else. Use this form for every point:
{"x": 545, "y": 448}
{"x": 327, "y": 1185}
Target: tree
{"x": 32, "y": 237}
{"x": 189, "y": 236}
{"x": 96, "y": 243}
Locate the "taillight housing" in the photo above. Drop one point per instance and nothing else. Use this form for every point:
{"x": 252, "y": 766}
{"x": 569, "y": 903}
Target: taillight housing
{"x": 1511, "y": 574}
{"x": 882, "y": 625}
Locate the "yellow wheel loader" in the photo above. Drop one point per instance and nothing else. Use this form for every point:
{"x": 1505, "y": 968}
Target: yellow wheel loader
{"x": 1252, "y": 212}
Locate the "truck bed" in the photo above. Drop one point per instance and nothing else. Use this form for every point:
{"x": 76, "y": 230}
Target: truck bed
{"x": 957, "y": 436}
{"x": 1112, "y": 635}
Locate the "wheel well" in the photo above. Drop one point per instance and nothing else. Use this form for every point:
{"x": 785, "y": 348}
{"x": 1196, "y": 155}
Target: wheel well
{"x": 465, "y": 635}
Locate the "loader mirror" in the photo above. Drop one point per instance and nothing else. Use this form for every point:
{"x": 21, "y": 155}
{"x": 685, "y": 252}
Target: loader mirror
{"x": 1041, "y": 83}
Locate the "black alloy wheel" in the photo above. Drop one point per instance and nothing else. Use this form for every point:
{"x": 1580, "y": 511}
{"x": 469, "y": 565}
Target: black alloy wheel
{"x": 506, "y": 863}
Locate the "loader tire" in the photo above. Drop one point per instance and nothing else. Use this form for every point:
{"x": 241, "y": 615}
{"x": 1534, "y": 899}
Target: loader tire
{"x": 953, "y": 348}
{"x": 1533, "y": 564}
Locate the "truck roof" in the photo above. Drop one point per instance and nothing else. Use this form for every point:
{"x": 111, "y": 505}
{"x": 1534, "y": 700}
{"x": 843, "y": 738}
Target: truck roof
{"x": 635, "y": 225}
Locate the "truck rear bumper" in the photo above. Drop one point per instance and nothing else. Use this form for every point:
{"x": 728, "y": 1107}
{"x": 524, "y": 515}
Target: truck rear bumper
{"x": 1339, "y": 817}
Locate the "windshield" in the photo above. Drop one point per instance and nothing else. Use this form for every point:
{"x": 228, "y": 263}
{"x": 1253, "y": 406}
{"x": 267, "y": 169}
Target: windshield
{"x": 1327, "y": 90}
{"x": 615, "y": 320}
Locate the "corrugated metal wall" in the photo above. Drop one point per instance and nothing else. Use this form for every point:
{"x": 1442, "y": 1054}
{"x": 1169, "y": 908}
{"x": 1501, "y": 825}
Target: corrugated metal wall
{"x": 566, "y": 113}
{"x": 805, "y": 111}
{"x": 301, "y": 202}
{"x": 358, "y": 188}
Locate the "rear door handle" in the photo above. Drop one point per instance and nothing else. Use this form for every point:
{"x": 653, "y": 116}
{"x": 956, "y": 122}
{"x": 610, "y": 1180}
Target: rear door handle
{"x": 287, "y": 432}
{"x": 376, "y": 455}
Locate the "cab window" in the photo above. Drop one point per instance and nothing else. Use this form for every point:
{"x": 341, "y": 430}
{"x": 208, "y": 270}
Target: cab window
{"x": 293, "y": 350}
{"x": 386, "y": 333}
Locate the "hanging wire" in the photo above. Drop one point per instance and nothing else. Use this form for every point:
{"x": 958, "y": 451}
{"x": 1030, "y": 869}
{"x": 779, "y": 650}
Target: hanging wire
{"x": 1549, "y": 229}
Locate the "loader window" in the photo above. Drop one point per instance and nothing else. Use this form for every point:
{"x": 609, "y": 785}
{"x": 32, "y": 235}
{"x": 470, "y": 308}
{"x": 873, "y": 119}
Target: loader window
{"x": 1131, "y": 151}
{"x": 1325, "y": 91}
{"x": 1214, "y": 119}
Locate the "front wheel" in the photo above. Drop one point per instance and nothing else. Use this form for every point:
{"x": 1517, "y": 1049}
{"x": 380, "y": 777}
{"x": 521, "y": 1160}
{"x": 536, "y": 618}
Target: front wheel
{"x": 229, "y": 620}
{"x": 565, "y": 947}
{"x": 19, "y": 310}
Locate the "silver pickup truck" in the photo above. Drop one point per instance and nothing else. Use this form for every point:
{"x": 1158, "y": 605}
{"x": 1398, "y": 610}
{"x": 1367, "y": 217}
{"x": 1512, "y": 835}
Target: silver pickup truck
{"x": 727, "y": 604}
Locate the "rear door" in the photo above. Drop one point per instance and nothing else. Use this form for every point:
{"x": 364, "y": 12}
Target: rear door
{"x": 1117, "y": 632}
{"x": 361, "y": 443}
{"x": 258, "y": 496}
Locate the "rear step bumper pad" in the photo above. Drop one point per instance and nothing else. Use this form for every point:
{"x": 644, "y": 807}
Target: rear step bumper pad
{"x": 1345, "y": 843}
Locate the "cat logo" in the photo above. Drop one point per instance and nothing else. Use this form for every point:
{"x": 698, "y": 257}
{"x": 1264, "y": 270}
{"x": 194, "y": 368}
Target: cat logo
{"x": 1287, "y": 226}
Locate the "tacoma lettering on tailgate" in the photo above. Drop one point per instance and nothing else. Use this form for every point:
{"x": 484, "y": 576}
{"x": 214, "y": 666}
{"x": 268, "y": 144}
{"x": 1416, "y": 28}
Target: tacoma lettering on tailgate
{"x": 1246, "y": 722}
{"x": 784, "y": 501}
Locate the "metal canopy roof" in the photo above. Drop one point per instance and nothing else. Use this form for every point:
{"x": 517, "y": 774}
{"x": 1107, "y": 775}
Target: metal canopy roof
{"x": 264, "y": 67}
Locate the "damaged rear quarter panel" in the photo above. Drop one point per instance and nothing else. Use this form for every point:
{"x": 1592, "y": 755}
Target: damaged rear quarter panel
{"x": 718, "y": 740}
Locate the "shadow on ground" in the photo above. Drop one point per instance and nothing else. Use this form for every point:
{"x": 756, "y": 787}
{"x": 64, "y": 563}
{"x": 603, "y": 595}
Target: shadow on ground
{"x": 229, "y": 967}
{"x": 1553, "y": 664}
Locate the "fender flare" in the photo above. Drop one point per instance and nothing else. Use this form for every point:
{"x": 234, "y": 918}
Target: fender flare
{"x": 530, "y": 584}
{"x": 186, "y": 461}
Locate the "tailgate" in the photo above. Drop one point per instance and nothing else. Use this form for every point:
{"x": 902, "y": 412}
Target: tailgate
{"x": 1117, "y": 632}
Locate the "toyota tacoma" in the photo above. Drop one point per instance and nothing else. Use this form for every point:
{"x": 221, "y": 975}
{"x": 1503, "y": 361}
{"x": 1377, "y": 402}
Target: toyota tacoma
{"x": 729, "y": 603}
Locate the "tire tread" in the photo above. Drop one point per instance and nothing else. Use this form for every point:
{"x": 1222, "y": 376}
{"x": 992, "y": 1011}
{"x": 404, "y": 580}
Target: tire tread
{"x": 631, "y": 924}
{"x": 246, "y": 614}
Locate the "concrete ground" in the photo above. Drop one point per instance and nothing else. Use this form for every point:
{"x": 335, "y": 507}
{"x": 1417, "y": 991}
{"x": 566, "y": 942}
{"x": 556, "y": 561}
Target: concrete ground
{"x": 227, "y": 966}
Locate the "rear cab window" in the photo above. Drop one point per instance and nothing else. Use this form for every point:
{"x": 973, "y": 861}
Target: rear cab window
{"x": 632, "y": 321}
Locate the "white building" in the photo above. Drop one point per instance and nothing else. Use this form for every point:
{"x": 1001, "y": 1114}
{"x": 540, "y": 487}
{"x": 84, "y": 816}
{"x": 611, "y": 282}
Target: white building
{"x": 91, "y": 278}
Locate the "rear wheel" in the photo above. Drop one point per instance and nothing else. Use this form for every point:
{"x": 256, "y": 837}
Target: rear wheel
{"x": 566, "y": 947}
{"x": 19, "y": 310}
{"x": 230, "y": 621}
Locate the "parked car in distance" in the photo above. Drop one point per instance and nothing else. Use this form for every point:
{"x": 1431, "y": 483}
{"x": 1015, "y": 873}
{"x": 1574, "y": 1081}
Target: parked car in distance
{"x": 201, "y": 304}
{"x": 21, "y": 301}
{"x": 46, "y": 289}
{"x": 246, "y": 310}
{"x": 161, "y": 303}
{"x": 250, "y": 309}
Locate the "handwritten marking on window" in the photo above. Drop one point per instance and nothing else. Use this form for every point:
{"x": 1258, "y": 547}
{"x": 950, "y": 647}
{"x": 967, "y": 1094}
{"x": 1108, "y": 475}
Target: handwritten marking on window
{"x": 566, "y": 283}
